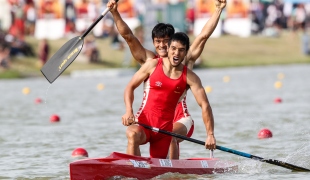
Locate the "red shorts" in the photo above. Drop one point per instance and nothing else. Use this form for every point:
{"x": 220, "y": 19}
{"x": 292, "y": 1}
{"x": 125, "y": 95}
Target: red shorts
{"x": 191, "y": 130}
{"x": 159, "y": 143}
{"x": 188, "y": 122}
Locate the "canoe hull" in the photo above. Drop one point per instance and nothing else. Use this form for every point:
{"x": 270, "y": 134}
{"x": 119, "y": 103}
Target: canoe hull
{"x": 118, "y": 164}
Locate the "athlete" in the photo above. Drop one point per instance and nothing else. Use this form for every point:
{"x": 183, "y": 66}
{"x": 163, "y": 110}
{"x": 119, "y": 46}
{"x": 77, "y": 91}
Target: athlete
{"x": 166, "y": 80}
{"x": 161, "y": 34}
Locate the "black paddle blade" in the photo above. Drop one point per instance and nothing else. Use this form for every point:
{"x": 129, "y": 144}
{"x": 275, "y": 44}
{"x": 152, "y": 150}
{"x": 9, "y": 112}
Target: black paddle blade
{"x": 286, "y": 165}
{"x": 59, "y": 62}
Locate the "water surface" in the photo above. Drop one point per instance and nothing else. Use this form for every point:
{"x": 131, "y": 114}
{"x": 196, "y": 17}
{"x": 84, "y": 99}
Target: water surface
{"x": 33, "y": 148}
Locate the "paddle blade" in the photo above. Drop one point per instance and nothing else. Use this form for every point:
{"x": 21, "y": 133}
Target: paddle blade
{"x": 59, "y": 62}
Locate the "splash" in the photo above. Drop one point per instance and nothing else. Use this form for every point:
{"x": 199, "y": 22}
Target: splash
{"x": 45, "y": 97}
{"x": 301, "y": 156}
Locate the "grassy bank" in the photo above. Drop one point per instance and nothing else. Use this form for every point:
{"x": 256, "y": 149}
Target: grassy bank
{"x": 226, "y": 51}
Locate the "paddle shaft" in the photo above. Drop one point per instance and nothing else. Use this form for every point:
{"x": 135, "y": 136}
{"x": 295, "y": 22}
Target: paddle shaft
{"x": 95, "y": 22}
{"x": 270, "y": 161}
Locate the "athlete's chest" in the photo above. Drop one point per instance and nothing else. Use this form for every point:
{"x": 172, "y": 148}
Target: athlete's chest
{"x": 161, "y": 82}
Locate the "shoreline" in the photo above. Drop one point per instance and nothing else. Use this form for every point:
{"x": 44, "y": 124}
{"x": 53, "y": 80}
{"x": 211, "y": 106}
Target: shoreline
{"x": 223, "y": 52}
{"x": 125, "y": 71}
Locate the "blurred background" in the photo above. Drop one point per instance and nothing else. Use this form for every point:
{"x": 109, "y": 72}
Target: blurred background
{"x": 89, "y": 100}
{"x": 32, "y": 30}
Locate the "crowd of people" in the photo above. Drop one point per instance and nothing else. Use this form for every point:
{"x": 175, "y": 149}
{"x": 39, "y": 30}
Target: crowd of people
{"x": 271, "y": 18}
{"x": 12, "y": 46}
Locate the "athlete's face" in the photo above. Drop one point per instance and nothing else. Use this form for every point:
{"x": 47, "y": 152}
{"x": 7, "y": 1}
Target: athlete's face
{"x": 176, "y": 53}
{"x": 161, "y": 46}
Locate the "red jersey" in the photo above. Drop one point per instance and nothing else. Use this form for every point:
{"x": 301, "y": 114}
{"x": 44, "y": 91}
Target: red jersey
{"x": 181, "y": 110}
{"x": 160, "y": 98}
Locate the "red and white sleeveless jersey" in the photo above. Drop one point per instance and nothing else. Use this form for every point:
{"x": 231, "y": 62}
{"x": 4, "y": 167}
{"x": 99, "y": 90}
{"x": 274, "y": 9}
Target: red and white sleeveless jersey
{"x": 181, "y": 110}
{"x": 160, "y": 98}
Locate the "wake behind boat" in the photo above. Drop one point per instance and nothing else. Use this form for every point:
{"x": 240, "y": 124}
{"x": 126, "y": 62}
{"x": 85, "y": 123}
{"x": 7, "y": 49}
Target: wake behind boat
{"x": 124, "y": 165}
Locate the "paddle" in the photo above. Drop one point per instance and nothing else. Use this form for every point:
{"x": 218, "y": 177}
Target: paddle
{"x": 59, "y": 62}
{"x": 270, "y": 161}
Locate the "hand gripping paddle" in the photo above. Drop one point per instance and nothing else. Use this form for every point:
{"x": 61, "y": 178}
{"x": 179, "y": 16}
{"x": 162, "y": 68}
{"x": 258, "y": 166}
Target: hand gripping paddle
{"x": 59, "y": 62}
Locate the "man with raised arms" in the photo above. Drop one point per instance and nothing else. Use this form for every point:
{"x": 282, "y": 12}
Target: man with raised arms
{"x": 166, "y": 80}
{"x": 161, "y": 34}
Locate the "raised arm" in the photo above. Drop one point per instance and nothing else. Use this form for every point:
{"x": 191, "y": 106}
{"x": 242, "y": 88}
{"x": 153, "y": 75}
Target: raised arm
{"x": 200, "y": 95}
{"x": 136, "y": 48}
{"x": 198, "y": 44}
{"x": 136, "y": 80}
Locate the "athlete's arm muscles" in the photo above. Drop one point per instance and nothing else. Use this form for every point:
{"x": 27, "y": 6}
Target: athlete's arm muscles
{"x": 139, "y": 53}
{"x": 197, "y": 47}
{"x": 143, "y": 73}
{"x": 200, "y": 95}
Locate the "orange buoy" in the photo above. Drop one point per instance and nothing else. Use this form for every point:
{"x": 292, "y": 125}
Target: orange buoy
{"x": 79, "y": 152}
{"x": 100, "y": 86}
{"x": 26, "y": 90}
{"x": 278, "y": 84}
{"x": 208, "y": 89}
{"x": 264, "y": 133}
{"x": 226, "y": 79}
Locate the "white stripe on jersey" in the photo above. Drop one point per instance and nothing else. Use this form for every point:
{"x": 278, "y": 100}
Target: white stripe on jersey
{"x": 146, "y": 87}
{"x": 184, "y": 106}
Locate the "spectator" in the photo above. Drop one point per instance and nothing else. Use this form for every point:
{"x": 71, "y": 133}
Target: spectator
{"x": 299, "y": 17}
{"x": 190, "y": 16}
{"x": 70, "y": 16}
{"x": 237, "y": 9}
{"x": 49, "y": 9}
{"x": 30, "y": 13}
{"x": 272, "y": 22}
{"x": 126, "y": 9}
{"x": 305, "y": 38}
{"x": 82, "y": 9}
{"x": 205, "y": 8}
{"x": 19, "y": 46}
{"x": 5, "y": 62}
{"x": 257, "y": 17}
{"x": 18, "y": 19}
{"x": 90, "y": 49}
{"x": 44, "y": 50}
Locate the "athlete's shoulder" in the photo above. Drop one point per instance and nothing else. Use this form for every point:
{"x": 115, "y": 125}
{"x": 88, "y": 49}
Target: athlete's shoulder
{"x": 152, "y": 60}
{"x": 150, "y": 54}
{"x": 191, "y": 75}
{"x": 189, "y": 71}
{"x": 150, "y": 63}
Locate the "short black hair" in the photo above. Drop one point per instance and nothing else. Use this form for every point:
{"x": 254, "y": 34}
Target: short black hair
{"x": 180, "y": 37}
{"x": 162, "y": 30}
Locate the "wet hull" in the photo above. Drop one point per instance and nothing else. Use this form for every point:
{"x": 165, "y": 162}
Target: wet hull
{"x": 118, "y": 164}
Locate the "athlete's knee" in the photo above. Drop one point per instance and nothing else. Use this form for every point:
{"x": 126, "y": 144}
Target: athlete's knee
{"x": 179, "y": 128}
{"x": 133, "y": 135}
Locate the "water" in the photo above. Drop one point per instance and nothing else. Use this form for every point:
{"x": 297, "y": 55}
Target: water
{"x": 33, "y": 148}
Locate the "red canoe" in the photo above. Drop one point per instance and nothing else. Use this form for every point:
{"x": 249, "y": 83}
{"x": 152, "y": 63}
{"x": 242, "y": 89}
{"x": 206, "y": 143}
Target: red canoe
{"x": 118, "y": 164}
